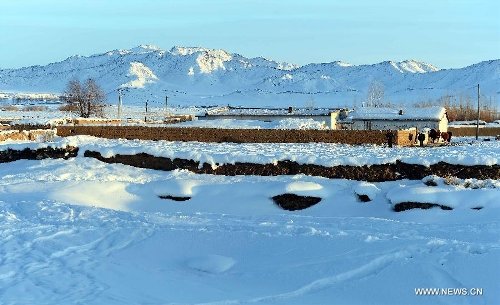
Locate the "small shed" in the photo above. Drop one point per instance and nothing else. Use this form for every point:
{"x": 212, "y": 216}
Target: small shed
{"x": 376, "y": 118}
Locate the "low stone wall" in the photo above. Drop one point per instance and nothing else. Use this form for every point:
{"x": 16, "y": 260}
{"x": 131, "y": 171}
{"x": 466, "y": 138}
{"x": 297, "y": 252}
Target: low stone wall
{"x": 234, "y": 135}
{"x": 186, "y": 134}
{"x": 21, "y": 127}
{"x": 12, "y": 135}
{"x": 95, "y": 121}
{"x": 470, "y": 131}
{"x": 39, "y": 135}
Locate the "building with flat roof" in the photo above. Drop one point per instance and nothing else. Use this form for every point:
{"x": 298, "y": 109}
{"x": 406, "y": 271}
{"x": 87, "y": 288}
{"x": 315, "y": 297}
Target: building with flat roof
{"x": 327, "y": 116}
{"x": 375, "y": 118}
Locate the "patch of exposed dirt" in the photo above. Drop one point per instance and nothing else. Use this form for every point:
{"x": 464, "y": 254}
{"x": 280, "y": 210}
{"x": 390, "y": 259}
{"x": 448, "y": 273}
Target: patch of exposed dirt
{"x": 174, "y": 198}
{"x": 11, "y": 155}
{"x": 293, "y": 202}
{"x": 404, "y": 206}
{"x": 363, "y": 198}
{"x": 374, "y": 173}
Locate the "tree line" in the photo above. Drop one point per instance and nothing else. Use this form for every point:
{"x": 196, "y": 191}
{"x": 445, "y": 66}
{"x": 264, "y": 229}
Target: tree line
{"x": 463, "y": 107}
{"x": 459, "y": 106}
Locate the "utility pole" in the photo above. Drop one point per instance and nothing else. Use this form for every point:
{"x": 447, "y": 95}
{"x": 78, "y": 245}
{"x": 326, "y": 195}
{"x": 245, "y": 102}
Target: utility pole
{"x": 119, "y": 104}
{"x": 146, "y": 115}
{"x": 477, "y": 122}
{"x": 166, "y": 106}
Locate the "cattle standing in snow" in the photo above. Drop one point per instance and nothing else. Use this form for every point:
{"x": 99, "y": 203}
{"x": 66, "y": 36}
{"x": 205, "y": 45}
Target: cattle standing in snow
{"x": 445, "y": 136}
{"x": 390, "y": 137}
{"x": 421, "y": 138}
{"x": 433, "y": 135}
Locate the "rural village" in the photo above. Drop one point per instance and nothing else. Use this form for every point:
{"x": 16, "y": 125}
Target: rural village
{"x": 205, "y": 192}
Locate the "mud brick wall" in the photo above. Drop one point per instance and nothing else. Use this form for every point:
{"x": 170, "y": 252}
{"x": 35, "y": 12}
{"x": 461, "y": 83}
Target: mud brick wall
{"x": 22, "y": 127}
{"x": 13, "y": 135}
{"x": 227, "y": 135}
{"x": 41, "y": 135}
{"x": 403, "y": 137}
{"x": 470, "y": 131}
{"x": 85, "y": 121}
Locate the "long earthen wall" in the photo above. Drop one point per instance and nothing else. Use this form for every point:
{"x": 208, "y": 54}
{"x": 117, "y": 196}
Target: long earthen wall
{"x": 470, "y": 131}
{"x": 233, "y": 135}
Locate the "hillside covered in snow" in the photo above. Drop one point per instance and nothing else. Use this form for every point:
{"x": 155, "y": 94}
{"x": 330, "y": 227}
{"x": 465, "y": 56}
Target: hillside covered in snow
{"x": 200, "y": 76}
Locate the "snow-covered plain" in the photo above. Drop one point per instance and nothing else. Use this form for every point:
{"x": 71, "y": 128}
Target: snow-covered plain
{"x": 80, "y": 231}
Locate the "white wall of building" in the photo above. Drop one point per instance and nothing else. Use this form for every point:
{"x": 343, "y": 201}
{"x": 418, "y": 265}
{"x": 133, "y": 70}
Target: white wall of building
{"x": 398, "y": 125}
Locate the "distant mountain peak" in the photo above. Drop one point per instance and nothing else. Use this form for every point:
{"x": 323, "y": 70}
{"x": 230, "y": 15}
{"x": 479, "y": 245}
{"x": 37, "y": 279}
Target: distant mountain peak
{"x": 184, "y": 51}
{"x": 179, "y": 50}
{"x": 142, "y": 75}
{"x": 409, "y": 66}
{"x": 141, "y": 49}
{"x": 208, "y": 60}
{"x": 414, "y": 66}
{"x": 216, "y": 77}
{"x": 341, "y": 64}
{"x": 145, "y": 49}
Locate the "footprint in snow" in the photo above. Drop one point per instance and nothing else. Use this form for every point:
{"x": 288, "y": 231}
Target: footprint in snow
{"x": 211, "y": 263}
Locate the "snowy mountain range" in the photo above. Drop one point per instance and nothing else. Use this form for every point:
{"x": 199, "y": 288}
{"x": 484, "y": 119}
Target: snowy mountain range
{"x": 201, "y": 76}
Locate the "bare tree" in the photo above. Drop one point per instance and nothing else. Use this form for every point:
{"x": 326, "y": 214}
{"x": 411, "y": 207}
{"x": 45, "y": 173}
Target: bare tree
{"x": 87, "y": 99}
{"x": 375, "y": 94}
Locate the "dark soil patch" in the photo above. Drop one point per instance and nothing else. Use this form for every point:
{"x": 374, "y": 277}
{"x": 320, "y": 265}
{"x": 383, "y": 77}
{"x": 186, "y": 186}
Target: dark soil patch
{"x": 292, "y": 202}
{"x": 174, "y": 198}
{"x": 11, "y": 155}
{"x": 364, "y": 198}
{"x": 403, "y": 206}
{"x": 430, "y": 183}
{"x": 373, "y": 173}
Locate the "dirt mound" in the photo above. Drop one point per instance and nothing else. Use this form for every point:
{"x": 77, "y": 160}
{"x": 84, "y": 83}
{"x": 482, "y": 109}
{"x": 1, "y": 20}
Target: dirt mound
{"x": 10, "y": 155}
{"x": 373, "y": 173}
{"x": 403, "y": 206}
{"x": 174, "y": 198}
{"x": 293, "y": 202}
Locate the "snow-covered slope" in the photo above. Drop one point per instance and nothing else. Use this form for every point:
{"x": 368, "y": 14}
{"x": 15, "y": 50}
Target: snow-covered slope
{"x": 201, "y": 76}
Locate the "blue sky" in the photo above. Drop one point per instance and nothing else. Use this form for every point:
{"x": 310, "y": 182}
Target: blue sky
{"x": 445, "y": 33}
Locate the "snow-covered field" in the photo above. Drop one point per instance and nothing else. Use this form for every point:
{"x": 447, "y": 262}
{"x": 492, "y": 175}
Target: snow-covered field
{"x": 80, "y": 231}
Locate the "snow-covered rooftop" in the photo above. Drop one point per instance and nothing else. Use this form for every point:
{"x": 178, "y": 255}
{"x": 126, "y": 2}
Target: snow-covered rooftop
{"x": 273, "y": 111}
{"x": 379, "y": 113}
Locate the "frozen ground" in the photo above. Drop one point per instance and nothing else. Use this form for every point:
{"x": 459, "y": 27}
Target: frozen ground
{"x": 85, "y": 232}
